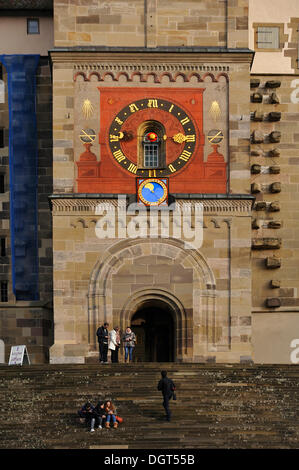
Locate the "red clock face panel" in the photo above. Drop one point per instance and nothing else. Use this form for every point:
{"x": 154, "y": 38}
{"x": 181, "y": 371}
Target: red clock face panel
{"x": 175, "y": 115}
{"x": 179, "y": 134}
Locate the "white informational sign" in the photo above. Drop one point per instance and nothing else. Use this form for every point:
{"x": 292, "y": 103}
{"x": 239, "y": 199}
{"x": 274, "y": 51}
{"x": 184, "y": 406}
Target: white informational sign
{"x": 18, "y": 356}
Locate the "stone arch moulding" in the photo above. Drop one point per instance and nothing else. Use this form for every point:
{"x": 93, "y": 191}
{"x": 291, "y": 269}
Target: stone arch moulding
{"x": 99, "y": 295}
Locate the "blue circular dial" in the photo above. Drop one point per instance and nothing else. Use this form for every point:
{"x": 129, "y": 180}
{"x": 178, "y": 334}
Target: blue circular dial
{"x": 152, "y": 192}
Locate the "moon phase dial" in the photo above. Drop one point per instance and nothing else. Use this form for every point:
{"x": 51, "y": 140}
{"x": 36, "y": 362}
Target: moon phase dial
{"x": 152, "y": 191}
{"x": 187, "y": 136}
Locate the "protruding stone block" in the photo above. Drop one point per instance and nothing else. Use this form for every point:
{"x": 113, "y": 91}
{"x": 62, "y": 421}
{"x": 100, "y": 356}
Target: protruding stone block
{"x": 266, "y": 243}
{"x": 274, "y": 98}
{"x": 256, "y": 153}
{"x": 272, "y": 84}
{"x": 272, "y": 262}
{"x": 275, "y": 187}
{"x": 274, "y": 116}
{"x": 274, "y": 153}
{"x": 273, "y": 302}
{"x": 274, "y": 169}
{"x": 257, "y": 116}
{"x": 256, "y": 98}
{"x": 275, "y": 136}
{"x": 274, "y": 224}
{"x": 255, "y": 188}
{"x": 275, "y": 284}
{"x": 255, "y": 169}
{"x": 255, "y": 225}
{"x": 260, "y": 206}
{"x": 254, "y": 82}
{"x": 274, "y": 206}
{"x": 257, "y": 137}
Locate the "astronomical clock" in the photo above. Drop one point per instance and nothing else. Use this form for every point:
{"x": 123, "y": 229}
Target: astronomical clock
{"x": 151, "y": 143}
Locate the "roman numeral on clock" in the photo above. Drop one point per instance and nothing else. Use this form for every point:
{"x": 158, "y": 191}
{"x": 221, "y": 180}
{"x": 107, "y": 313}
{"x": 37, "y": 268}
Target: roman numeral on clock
{"x": 132, "y": 168}
{"x": 119, "y": 156}
{"x": 152, "y": 103}
{"x": 185, "y": 155}
{"x": 185, "y": 120}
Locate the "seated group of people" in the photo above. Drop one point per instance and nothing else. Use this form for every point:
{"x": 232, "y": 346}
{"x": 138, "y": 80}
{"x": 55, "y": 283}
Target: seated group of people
{"x": 100, "y": 415}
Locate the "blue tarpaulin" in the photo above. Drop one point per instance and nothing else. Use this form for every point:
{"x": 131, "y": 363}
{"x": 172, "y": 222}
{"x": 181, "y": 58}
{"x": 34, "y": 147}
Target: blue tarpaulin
{"x": 23, "y": 173}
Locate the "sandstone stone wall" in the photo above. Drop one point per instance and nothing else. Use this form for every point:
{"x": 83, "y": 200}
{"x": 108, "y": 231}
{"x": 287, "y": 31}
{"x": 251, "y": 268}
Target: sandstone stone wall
{"x": 150, "y": 23}
{"x": 98, "y": 279}
{"x": 274, "y": 167}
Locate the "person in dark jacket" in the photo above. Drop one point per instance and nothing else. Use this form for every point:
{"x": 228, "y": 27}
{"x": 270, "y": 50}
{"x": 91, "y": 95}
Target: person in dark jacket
{"x": 167, "y": 387}
{"x": 100, "y": 414}
{"x": 87, "y": 415}
{"x": 103, "y": 338}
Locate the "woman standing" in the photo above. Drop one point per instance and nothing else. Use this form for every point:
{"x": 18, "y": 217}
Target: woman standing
{"x": 129, "y": 339}
{"x": 114, "y": 343}
{"x": 110, "y": 413}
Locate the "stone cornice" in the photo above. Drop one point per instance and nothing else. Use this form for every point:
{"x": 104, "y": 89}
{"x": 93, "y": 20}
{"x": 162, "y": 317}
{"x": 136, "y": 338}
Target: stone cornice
{"x": 143, "y": 56}
{"x": 241, "y": 205}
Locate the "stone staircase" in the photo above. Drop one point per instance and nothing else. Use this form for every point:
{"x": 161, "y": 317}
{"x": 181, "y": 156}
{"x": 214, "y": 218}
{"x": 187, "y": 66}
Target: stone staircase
{"x": 218, "y": 406}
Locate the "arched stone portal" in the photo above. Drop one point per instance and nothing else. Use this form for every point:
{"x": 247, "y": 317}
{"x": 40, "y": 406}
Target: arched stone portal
{"x": 154, "y": 327}
{"x": 147, "y": 311}
{"x": 136, "y": 275}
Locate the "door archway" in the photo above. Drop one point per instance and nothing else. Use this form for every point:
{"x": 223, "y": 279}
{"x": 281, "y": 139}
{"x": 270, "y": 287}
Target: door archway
{"x": 153, "y": 324}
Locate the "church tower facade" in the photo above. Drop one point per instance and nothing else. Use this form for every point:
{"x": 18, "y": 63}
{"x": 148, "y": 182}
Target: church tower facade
{"x": 152, "y": 199}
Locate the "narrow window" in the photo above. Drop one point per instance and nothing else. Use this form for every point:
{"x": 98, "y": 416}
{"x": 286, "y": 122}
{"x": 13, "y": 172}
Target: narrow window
{"x": 32, "y": 26}
{"x": 3, "y": 247}
{"x": 2, "y": 185}
{"x": 151, "y": 150}
{"x": 4, "y": 291}
{"x": 1, "y": 138}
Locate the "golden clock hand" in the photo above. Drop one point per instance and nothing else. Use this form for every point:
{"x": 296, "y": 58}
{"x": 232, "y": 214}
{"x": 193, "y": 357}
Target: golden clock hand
{"x": 179, "y": 138}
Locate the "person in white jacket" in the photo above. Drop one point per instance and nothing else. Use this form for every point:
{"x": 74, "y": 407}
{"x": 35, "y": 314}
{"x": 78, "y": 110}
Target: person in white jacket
{"x": 114, "y": 342}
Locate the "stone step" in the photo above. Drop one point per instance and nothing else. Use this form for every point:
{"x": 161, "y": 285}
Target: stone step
{"x": 232, "y": 405}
